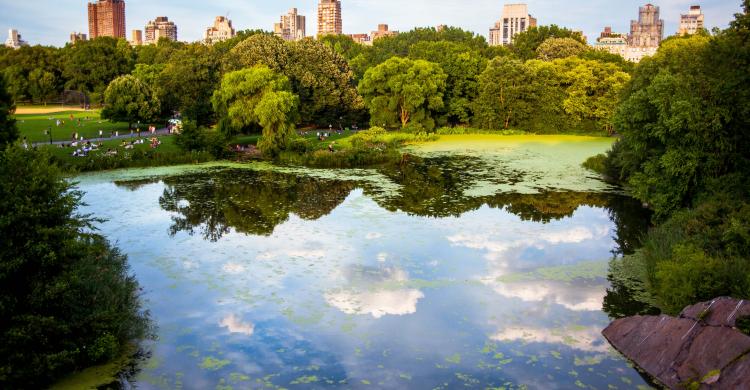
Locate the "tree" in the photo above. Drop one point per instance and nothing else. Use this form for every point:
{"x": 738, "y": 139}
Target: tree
{"x": 16, "y": 82}
{"x": 462, "y": 65}
{"x": 593, "y": 90}
{"x": 67, "y": 298}
{"x": 403, "y": 92}
{"x": 8, "y": 129}
{"x": 41, "y": 85}
{"x": 555, "y": 48}
{"x": 127, "y": 99}
{"x": 257, "y": 96}
{"x": 90, "y": 66}
{"x": 188, "y": 80}
{"x": 318, "y": 75}
{"x": 504, "y": 98}
{"x": 525, "y": 44}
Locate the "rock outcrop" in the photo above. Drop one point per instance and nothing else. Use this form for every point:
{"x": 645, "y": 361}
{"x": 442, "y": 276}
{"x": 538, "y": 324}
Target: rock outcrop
{"x": 702, "y": 347}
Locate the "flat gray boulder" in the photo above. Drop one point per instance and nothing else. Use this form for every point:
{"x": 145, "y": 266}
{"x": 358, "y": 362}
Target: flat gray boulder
{"x": 700, "y": 347}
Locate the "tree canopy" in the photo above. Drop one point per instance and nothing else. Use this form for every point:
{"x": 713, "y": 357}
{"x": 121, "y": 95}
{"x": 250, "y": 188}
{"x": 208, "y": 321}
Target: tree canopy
{"x": 8, "y": 130}
{"x": 526, "y": 43}
{"x": 258, "y": 96}
{"x": 127, "y": 99}
{"x": 67, "y": 298}
{"x": 402, "y": 92}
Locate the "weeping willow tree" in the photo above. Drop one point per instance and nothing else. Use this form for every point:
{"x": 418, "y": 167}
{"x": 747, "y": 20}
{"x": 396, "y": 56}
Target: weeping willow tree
{"x": 254, "y": 97}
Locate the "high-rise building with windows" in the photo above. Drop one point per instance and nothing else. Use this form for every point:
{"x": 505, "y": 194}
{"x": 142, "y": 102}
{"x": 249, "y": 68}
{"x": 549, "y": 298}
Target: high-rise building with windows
{"x": 220, "y": 31}
{"x": 691, "y": 22}
{"x": 515, "y": 19}
{"x": 382, "y": 32}
{"x": 159, "y": 28}
{"x": 107, "y": 19}
{"x": 291, "y": 27}
{"x": 648, "y": 30}
{"x": 329, "y": 18}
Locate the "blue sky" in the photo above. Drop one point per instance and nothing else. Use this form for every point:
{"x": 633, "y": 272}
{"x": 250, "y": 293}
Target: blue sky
{"x": 50, "y": 22}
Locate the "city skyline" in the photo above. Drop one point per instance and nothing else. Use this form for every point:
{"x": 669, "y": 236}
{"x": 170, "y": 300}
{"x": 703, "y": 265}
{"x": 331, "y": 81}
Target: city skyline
{"x": 359, "y": 16}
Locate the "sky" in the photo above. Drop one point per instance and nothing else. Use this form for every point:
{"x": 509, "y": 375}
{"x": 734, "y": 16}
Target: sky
{"x": 50, "y": 22}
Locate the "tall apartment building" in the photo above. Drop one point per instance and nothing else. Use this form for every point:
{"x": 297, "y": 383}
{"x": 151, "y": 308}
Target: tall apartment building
{"x": 77, "y": 37}
{"x": 136, "y": 38}
{"x": 691, "y": 22}
{"x": 14, "y": 40}
{"x": 159, "y": 28}
{"x": 221, "y": 31}
{"x": 292, "y": 26}
{"x": 515, "y": 19}
{"x": 383, "y": 32}
{"x": 648, "y": 31}
{"x": 329, "y": 18}
{"x": 107, "y": 19}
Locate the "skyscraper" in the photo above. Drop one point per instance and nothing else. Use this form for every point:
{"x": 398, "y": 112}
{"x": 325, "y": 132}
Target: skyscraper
{"x": 515, "y": 19}
{"x": 221, "y": 31}
{"x": 329, "y": 18}
{"x": 648, "y": 31}
{"x": 691, "y": 22}
{"x": 161, "y": 27}
{"x": 107, "y": 19}
{"x": 291, "y": 27}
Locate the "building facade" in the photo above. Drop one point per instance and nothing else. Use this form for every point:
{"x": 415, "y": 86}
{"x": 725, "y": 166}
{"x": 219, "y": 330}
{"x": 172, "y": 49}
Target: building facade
{"x": 362, "y": 39}
{"x": 136, "y": 38}
{"x": 159, "y": 28}
{"x": 107, "y": 19}
{"x": 383, "y": 32}
{"x": 515, "y": 20}
{"x": 616, "y": 43}
{"x": 291, "y": 27}
{"x": 14, "y": 40}
{"x": 329, "y": 18}
{"x": 692, "y": 22}
{"x": 648, "y": 30}
{"x": 220, "y": 31}
{"x": 77, "y": 37}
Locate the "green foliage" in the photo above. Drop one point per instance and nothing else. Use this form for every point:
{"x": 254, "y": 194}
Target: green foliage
{"x": 743, "y": 324}
{"x": 258, "y": 96}
{"x": 90, "y": 66}
{"x": 462, "y": 66}
{"x": 8, "y": 130}
{"x": 525, "y": 44}
{"x": 66, "y": 296}
{"x": 596, "y": 163}
{"x": 401, "y": 92}
{"x": 557, "y": 48}
{"x": 188, "y": 81}
{"x": 505, "y": 97}
{"x": 17, "y": 66}
{"x": 194, "y": 138}
{"x": 41, "y": 85}
{"x": 127, "y": 99}
{"x": 319, "y": 76}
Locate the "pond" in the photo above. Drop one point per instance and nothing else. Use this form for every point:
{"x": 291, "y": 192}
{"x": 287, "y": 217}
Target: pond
{"x": 474, "y": 262}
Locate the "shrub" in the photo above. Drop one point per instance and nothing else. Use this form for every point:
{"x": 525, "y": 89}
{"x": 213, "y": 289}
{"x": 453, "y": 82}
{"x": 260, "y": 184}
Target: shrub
{"x": 67, "y": 299}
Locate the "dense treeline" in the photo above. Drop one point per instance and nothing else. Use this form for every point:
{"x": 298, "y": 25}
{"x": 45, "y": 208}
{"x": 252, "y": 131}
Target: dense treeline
{"x": 685, "y": 151}
{"x": 552, "y": 79}
{"x": 67, "y": 299}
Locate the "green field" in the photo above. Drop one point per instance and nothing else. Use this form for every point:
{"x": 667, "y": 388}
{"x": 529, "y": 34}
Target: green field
{"x": 167, "y": 146}
{"x": 34, "y": 126}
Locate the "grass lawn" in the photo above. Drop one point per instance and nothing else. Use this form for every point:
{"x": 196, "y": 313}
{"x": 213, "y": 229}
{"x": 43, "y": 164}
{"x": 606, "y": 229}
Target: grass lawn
{"x": 65, "y": 154}
{"x": 34, "y": 126}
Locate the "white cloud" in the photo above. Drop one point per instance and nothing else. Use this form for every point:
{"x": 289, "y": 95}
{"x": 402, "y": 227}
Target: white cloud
{"x": 586, "y": 339}
{"x": 235, "y": 325}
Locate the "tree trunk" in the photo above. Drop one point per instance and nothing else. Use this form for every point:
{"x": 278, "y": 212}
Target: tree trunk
{"x": 404, "y": 116}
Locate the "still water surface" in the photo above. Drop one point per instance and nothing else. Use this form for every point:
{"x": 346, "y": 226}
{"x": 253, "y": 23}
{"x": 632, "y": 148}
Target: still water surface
{"x": 478, "y": 265}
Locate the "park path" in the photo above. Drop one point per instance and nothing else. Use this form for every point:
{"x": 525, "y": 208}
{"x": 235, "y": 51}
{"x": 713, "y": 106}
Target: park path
{"x": 146, "y": 134}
